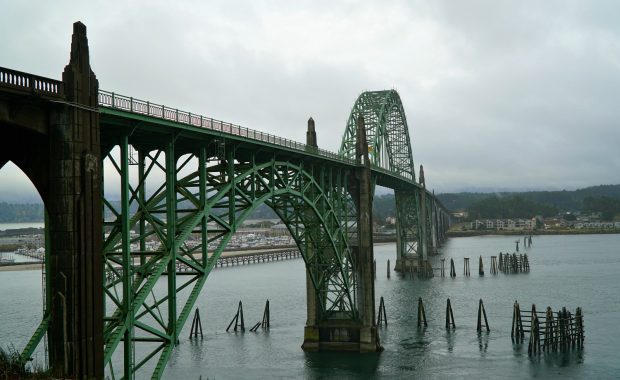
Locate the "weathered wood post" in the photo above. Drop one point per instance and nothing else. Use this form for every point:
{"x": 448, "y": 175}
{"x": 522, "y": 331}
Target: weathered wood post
{"x": 452, "y": 270}
{"x": 196, "y": 326}
{"x": 421, "y": 313}
{"x": 449, "y": 315}
{"x": 517, "y": 333}
{"x": 482, "y": 312}
{"x": 382, "y": 318}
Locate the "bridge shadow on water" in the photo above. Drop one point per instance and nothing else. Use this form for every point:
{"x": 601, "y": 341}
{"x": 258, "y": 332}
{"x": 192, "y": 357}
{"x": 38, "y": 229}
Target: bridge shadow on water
{"x": 326, "y": 365}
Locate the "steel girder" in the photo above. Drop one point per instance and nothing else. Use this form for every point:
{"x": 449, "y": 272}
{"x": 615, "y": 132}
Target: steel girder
{"x": 175, "y": 217}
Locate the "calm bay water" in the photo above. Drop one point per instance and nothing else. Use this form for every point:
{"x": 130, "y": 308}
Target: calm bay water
{"x": 566, "y": 271}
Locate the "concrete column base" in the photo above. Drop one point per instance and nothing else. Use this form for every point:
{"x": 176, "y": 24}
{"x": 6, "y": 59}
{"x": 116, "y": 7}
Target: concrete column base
{"x": 311, "y": 339}
{"x": 341, "y": 335}
{"x": 404, "y": 264}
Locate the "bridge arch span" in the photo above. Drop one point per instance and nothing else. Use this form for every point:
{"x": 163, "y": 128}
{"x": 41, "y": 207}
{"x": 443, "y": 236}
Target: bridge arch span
{"x": 212, "y": 202}
{"x": 387, "y": 132}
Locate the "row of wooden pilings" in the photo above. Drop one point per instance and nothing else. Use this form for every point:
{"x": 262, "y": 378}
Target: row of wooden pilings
{"x": 422, "y": 322}
{"x": 238, "y": 321}
{"x": 549, "y": 331}
{"x": 507, "y": 264}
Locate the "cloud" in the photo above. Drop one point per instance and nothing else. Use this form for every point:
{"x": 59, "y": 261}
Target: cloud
{"x": 497, "y": 94}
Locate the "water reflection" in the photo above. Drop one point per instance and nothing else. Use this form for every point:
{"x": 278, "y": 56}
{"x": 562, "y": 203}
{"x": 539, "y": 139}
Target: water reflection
{"x": 483, "y": 342}
{"x": 322, "y": 364}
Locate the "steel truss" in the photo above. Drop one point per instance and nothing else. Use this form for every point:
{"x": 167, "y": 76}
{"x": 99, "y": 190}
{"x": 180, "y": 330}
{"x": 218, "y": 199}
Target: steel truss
{"x": 387, "y": 132}
{"x": 390, "y": 149}
{"x": 188, "y": 218}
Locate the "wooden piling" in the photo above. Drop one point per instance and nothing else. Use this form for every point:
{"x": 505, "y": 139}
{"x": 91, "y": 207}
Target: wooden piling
{"x": 382, "y": 318}
{"x": 494, "y": 265}
{"x": 449, "y": 316}
{"x": 534, "y": 345}
{"x": 421, "y": 313}
{"x": 196, "y": 326}
{"x": 466, "y": 266}
{"x": 452, "y": 270}
{"x": 480, "y": 267}
{"x": 266, "y": 317}
{"x": 579, "y": 335}
{"x": 443, "y": 273}
{"x": 517, "y": 333}
{"x": 388, "y": 268}
{"x": 265, "y": 321}
{"x": 238, "y": 319}
{"x": 482, "y": 312}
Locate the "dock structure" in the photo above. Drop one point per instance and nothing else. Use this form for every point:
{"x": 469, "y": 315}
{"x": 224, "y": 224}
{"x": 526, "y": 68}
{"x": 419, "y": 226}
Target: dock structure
{"x": 250, "y": 257}
{"x": 549, "y": 331}
{"x": 259, "y": 257}
{"x": 515, "y": 263}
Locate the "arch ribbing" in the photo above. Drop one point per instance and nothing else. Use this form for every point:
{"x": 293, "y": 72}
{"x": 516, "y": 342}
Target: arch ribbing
{"x": 387, "y": 132}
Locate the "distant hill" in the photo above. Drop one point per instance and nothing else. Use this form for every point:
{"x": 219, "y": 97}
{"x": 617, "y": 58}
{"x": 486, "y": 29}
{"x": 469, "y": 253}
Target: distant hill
{"x": 21, "y": 212}
{"x": 563, "y": 200}
{"x": 603, "y": 198}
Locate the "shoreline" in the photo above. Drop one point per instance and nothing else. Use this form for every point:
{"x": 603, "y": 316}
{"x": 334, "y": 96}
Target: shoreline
{"x": 527, "y": 233}
{"x": 20, "y": 267}
{"x": 226, "y": 254}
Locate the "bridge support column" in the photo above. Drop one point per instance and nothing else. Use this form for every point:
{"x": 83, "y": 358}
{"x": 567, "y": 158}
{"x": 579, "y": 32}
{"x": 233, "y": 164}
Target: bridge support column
{"x": 434, "y": 226}
{"x": 333, "y": 332}
{"x": 407, "y": 230}
{"x": 74, "y": 202}
{"x": 369, "y": 339}
{"x": 311, "y": 330}
{"x": 423, "y": 250}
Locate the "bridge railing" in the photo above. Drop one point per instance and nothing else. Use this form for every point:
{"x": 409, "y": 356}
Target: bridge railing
{"x": 125, "y": 103}
{"x": 30, "y": 83}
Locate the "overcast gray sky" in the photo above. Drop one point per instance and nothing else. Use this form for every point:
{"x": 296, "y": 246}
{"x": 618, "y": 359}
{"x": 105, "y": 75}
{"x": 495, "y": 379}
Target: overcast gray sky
{"x": 498, "y": 94}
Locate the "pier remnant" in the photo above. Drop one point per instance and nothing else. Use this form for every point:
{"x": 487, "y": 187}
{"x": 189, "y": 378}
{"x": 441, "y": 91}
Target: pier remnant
{"x": 452, "y": 270}
{"x": 517, "y": 332}
{"x": 382, "y": 317}
{"x": 449, "y": 316}
{"x": 466, "y": 266}
{"x": 421, "y": 313}
{"x": 493, "y": 264}
{"x": 237, "y": 319}
{"x": 196, "y": 326}
{"x": 549, "y": 331}
{"x": 482, "y": 312}
{"x": 265, "y": 322}
{"x": 480, "y": 267}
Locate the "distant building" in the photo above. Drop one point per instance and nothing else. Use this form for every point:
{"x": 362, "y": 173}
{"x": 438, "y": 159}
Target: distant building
{"x": 503, "y": 224}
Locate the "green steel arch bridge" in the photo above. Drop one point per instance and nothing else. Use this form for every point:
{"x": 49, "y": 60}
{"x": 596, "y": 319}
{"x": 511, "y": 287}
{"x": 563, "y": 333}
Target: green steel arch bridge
{"x": 185, "y": 183}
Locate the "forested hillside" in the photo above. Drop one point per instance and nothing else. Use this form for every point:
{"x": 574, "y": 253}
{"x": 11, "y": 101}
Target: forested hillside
{"x": 562, "y": 200}
{"x": 16, "y": 213}
{"x": 604, "y": 199}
